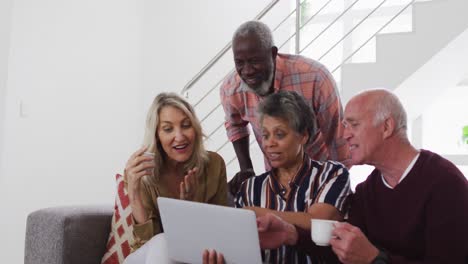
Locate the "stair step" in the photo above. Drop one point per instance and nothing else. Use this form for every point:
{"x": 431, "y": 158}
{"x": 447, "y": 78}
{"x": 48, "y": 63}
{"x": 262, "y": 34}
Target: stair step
{"x": 400, "y": 54}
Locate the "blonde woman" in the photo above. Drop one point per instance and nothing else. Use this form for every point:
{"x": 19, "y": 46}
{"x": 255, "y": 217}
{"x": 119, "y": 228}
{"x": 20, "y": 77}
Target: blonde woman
{"x": 173, "y": 163}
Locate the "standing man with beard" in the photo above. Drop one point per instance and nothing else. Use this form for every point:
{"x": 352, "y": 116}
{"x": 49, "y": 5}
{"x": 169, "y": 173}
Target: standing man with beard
{"x": 260, "y": 71}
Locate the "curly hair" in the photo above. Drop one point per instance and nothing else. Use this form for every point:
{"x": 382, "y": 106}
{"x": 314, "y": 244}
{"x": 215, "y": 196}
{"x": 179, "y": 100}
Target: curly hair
{"x": 290, "y": 106}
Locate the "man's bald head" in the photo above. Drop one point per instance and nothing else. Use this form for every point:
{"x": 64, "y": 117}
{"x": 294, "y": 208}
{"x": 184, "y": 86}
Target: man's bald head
{"x": 382, "y": 104}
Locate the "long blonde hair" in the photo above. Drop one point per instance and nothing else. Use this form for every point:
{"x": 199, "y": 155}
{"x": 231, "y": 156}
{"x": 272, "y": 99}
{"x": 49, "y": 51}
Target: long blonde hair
{"x": 199, "y": 156}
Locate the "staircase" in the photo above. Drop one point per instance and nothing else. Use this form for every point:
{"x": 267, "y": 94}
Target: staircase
{"x": 435, "y": 24}
{"x": 399, "y": 59}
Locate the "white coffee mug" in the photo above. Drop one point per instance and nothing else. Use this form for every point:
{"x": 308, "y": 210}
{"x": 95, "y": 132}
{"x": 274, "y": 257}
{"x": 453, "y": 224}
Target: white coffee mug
{"x": 321, "y": 231}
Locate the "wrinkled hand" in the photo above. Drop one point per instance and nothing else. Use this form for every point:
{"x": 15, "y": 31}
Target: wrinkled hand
{"x": 236, "y": 181}
{"x": 212, "y": 257}
{"x": 188, "y": 187}
{"x": 351, "y": 245}
{"x": 274, "y": 232}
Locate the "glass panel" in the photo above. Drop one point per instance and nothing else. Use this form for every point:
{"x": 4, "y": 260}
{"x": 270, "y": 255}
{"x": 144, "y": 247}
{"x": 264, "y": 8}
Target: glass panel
{"x": 311, "y": 7}
{"x": 282, "y": 30}
{"x": 320, "y": 45}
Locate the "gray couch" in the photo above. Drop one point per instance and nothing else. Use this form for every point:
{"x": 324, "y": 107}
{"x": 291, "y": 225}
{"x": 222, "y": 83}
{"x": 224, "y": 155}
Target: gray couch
{"x": 70, "y": 234}
{"x": 67, "y": 235}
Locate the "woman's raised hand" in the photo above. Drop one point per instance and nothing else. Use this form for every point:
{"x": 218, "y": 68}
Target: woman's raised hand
{"x": 188, "y": 187}
{"x": 138, "y": 165}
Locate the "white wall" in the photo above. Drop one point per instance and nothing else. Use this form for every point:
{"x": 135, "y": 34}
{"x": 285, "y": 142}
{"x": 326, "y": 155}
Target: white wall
{"x": 180, "y": 37}
{"x": 5, "y": 29}
{"x": 75, "y": 67}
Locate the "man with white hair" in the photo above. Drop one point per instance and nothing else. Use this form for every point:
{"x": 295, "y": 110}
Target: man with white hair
{"x": 260, "y": 71}
{"x": 413, "y": 208}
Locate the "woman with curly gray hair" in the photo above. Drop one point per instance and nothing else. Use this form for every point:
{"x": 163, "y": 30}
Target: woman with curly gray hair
{"x": 297, "y": 188}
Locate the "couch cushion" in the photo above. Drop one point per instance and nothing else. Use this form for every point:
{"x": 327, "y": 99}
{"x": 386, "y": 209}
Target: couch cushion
{"x": 121, "y": 236}
{"x": 67, "y": 235}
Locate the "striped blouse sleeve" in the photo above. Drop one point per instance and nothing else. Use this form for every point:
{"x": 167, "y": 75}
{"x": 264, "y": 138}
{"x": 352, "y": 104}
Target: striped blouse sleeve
{"x": 334, "y": 186}
{"x": 239, "y": 199}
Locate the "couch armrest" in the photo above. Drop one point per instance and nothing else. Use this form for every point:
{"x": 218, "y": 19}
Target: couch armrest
{"x": 67, "y": 235}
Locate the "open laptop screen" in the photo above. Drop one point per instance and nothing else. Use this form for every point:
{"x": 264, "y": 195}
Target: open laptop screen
{"x": 192, "y": 227}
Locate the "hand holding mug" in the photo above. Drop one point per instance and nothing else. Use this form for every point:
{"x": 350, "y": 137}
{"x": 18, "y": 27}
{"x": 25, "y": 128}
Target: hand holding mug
{"x": 351, "y": 245}
{"x": 321, "y": 231}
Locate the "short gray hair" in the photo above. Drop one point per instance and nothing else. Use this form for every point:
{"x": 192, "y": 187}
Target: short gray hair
{"x": 386, "y": 104}
{"x": 257, "y": 28}
{"x": 292, "y": 107}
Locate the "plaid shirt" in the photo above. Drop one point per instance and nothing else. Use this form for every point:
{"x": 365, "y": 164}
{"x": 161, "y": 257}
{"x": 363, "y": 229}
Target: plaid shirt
{"x": 308, "y": 78}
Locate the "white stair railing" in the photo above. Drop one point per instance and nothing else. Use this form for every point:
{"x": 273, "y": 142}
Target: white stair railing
{"x": 223, "y": 51}
{"x": 298, "y": 49}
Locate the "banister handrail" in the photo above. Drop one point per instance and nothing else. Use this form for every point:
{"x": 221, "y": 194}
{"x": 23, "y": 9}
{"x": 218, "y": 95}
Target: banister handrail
{"x": 352, "y": 30}
{"x": 331, "y": 24}
{"x": 195, "y": 79}
{"x": 220, "y": 54}
{"x": 284, "y": 43}
{"x": 223, "y": 51}
{"x": 316, "y": 14}
{"x": 297, "y": 29}
{"x": 235, "y": 157}
{"x": 305, "y": 23}
{"x": 297, "y": 45}
{"x": 211, "y": 89}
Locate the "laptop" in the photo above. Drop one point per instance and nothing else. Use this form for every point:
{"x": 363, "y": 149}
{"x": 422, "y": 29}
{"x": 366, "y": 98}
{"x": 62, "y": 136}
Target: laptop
{"x": 191, "y": 227}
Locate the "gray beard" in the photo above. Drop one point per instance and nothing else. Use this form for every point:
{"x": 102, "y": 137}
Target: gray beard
{"x": 264, "y": 88}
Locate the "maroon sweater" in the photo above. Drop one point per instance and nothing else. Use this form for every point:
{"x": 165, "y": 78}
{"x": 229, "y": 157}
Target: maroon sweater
{"x": 424, "y": 219}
